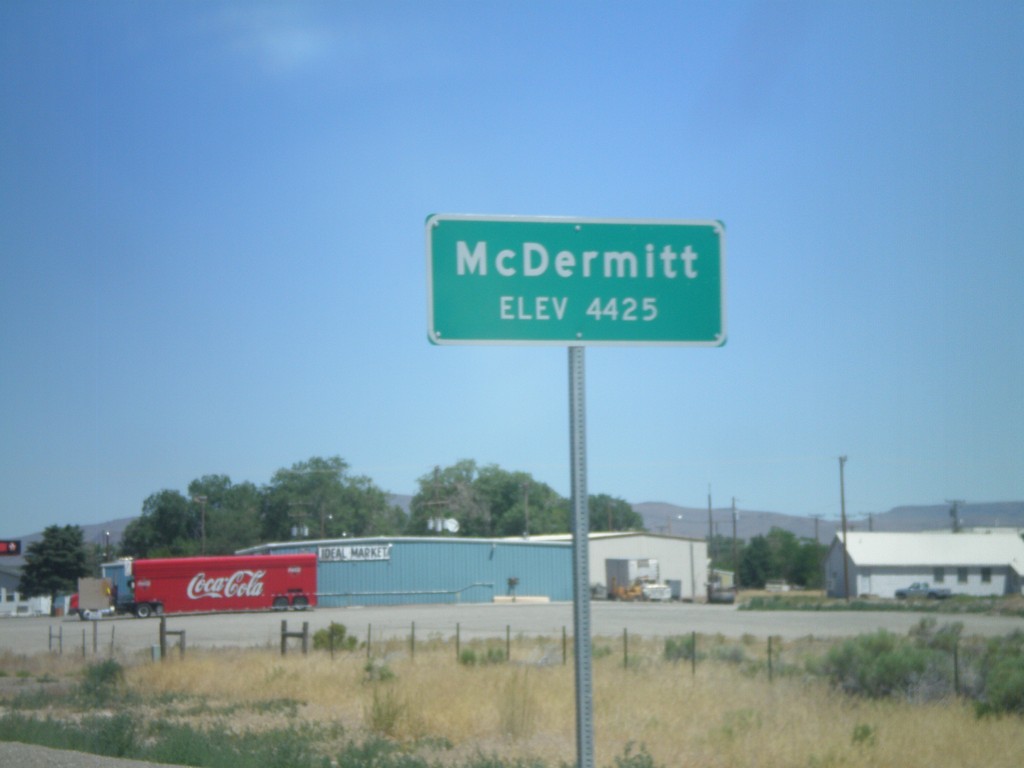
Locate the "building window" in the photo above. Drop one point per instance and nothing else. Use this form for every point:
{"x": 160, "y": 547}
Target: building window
{"x": 961, "y": 575}
{"x": 986, "y": 575}
{"x": 940, "y": 575}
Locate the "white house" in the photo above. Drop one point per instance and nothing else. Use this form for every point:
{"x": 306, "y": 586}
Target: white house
{"x": 878, "y": 564}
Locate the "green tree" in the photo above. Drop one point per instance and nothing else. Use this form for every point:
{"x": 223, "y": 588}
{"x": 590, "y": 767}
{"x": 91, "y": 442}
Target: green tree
{"x": 319, "y": 499}
{"x": 609, "y": 513}
{"x": 54, "y": 564}
{"x": 780, "y": 555}
{"x": 518, "y": 504}
{"x": 756, "y": 565}
{"x": 228, "y": 514}
{"x": 486, "y": 502}
{"x": 300, "y": 500}
{"x": 809, "y": 570}
{"x": 450, "y": 493}
{"x": 169, "y": 526}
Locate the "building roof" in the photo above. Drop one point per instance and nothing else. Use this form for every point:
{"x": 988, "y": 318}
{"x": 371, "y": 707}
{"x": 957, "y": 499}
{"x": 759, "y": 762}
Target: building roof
{"x": 605, "y": 535}
{"x": 935, "y": 549}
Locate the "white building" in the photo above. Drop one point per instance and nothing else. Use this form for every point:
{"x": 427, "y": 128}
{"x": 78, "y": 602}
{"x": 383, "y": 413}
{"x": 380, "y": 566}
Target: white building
{"x": 878, "y": 564}
{"x": 682, "y": 563}
{"x": 13, "y": 604}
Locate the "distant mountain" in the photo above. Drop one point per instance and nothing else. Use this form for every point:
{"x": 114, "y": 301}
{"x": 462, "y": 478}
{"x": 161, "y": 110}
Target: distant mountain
{"x": 91, "y": 534}
{"x": 660, "y": 517}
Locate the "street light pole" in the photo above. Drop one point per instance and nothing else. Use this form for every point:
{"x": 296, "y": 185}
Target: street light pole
{"x": 842, "y": 512}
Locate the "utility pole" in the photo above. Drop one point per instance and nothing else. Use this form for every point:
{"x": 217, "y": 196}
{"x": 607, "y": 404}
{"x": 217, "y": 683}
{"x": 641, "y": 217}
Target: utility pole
{"x": 735, "y": 560}
{"x": 711, "y": 525}
{"x": 201, "y": 501}
{"x": 817, "y": 519}
{"x": 842, "y": 512}
{"x": 954, "y": 513}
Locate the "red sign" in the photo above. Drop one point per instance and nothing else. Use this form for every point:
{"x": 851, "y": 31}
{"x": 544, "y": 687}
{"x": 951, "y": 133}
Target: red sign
{"x": 10, "y": 547}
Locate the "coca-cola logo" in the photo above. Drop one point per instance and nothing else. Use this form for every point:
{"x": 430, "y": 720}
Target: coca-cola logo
{"x": 238, "y": 584}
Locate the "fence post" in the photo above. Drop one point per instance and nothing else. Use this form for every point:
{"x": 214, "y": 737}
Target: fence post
{"x": 693, "y": 656}
{"x": 60, "y": 641}
{"x": 305, "y": 638}
{"x": 769, "y": 658}
{"x": 508, "y": 642}
{"x": 284, "y": 637}
{"x": 112, "y": 628}
{"x": 95, "y": 636}
{"x": 163, "y": 638}
{"x": 368, "y": 636}
{"x": 956, "y": 667}
{"x": 83, "y": 642}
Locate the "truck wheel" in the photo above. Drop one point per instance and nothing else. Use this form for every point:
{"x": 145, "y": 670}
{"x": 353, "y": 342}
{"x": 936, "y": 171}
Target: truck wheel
{"x": 143, "y": 610}
{"x": 158, "y": 609}
{"x": 280, "y": 603}
{"x": 300, "y": 603}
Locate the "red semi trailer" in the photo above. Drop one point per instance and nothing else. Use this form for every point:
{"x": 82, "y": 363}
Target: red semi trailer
{"x": 208, "y": 584}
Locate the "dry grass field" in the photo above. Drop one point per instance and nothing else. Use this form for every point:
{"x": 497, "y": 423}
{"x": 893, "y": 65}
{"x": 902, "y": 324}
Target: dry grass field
{"x": 723, "y": 714}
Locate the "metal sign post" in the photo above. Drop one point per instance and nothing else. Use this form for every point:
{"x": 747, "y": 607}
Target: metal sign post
{"x": 580, "y": 556}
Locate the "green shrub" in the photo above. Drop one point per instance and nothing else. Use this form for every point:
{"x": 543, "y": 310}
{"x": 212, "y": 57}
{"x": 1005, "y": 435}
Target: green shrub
{"x": 927, "y": 634}
{"x": 492, "y": 655}
{"x": 386, "y": 711}
{"x": 377, "y": 672}
{"x": 1002, "y": 676}
{"x": 680, "y": 648}
{"x": 883, "y": 664}
{"x": 342, "y": 641}
{"x": 864, "y": 735}
{"x": 378, "y": 753}
{"x": 629, "y": 759}
{"x": 101, "y": 683}
{"x": 733, "y": 654}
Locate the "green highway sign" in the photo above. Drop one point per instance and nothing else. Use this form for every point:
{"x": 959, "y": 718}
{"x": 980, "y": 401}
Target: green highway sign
{"x": 568, "y": 282}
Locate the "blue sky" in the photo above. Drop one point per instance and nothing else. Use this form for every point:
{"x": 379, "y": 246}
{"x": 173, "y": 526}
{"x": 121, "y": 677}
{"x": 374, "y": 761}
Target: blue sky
{"x": 213, "y": 255}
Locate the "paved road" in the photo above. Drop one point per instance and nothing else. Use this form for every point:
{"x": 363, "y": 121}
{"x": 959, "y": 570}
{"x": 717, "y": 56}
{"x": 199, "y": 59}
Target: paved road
{"x": 608, "y": 619}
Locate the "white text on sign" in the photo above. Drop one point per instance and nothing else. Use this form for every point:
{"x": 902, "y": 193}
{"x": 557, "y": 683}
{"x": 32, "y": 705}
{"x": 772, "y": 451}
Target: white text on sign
{"x": 533, "y": 260}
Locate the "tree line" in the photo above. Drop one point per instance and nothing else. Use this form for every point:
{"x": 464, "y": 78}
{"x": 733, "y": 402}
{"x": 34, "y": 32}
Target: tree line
{"x": 316, "y": 499}
{"x": 320, "y": 498}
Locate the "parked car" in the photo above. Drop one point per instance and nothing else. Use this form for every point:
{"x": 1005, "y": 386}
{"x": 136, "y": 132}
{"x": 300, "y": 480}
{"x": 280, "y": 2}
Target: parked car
{"x": 923, "y": 589}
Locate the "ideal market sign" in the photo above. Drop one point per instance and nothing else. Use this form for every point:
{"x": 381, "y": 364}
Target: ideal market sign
{"x": 354, "y": 553}
{"x": 575, "y": 282}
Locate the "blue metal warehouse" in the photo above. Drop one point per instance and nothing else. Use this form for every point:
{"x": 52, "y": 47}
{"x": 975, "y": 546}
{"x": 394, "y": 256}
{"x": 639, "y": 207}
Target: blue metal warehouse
{"x": 399, "y": 570}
